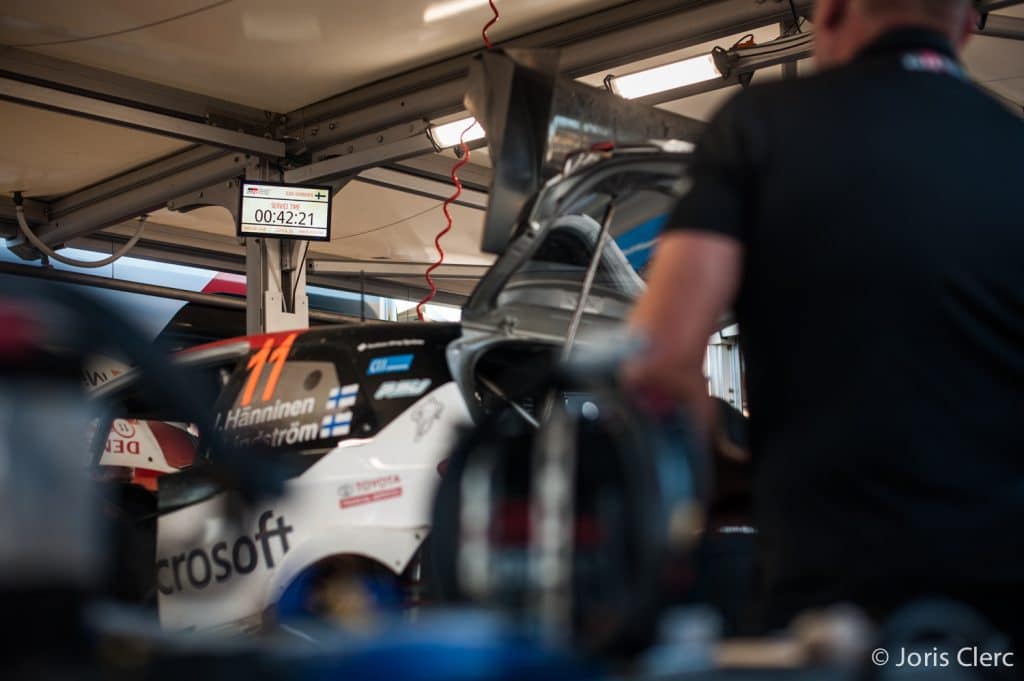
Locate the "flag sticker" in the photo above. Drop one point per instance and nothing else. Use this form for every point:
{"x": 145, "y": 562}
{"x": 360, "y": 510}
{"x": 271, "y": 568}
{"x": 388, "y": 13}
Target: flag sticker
{"x": 336, "y": 425}
{"x": 342, "y": 397}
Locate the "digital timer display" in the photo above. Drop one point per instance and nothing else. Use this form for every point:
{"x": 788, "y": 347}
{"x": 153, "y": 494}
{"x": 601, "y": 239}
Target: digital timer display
{"x": 285, "y": 211}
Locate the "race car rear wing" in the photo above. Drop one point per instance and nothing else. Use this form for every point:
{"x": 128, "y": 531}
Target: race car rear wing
{"x": 536, "y": 120}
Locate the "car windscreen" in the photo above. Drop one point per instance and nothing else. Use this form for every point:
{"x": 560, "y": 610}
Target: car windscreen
{"x": 565, "y": 253}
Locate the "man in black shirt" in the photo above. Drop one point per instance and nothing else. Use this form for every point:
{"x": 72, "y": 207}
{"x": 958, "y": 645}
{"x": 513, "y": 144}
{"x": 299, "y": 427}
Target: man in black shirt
{"x": 865, "y": 224}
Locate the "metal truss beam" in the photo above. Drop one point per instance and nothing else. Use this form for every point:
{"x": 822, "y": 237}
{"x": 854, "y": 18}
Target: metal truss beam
{"x": 376, "y": 268}
{"x": 600, "y": 40}
{"x": 996, "y": 5}
{"x": 85, "y": 106}
{"x": 137, "y": 193}
{"x": 59, "y": 74}
{"x": 165, "y": 243}
{"x": 439, "y": 168}
{"x": 352, "y": 163}
{"x": 36, "y": 213}
{"x": 154, "y": 171}
{"x": 216, "y": 252}
{"x": 1001, "y": 26}
{"x": 209, "y": 299}
{"x": 422, "y": 186}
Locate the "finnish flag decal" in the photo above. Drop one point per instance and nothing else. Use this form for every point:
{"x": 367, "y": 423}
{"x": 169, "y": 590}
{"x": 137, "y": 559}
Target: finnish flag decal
{"x": 342, "y": 397}
{"x": 336, "y": 425}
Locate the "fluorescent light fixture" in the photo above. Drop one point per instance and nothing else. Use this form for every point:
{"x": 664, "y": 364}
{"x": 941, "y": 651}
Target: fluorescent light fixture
{"x": 447, "y": 134}
{"x": 436, "y": 11}
{"x": 668, "y": 77}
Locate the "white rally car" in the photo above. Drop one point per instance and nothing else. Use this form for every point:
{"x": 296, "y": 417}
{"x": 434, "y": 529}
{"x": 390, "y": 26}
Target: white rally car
{"x": 368, "y": 413}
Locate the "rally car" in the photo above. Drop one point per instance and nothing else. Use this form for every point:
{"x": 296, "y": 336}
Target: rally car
{"x": 373, "y": 410}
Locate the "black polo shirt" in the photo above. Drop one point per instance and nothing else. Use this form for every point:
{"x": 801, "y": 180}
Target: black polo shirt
{"x": 882, "y": 317}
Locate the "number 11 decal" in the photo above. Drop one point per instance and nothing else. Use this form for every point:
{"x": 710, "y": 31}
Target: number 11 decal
{"x": 256, "y": 363}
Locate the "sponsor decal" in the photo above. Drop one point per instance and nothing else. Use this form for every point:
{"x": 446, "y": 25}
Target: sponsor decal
{"x": 123, "y": 447}
{"x": 243, "y": 417}
{"x": 117, "y": 446}
{"x": 199, "y": 568}
{"x": 369, "y": 491}
{"x": 294, "y": 433}
{"x": 336, "y": 425}
{"x": 425, "y": 416}
{"x": 403, "y": 343}
{"x": 123, "y": 428}
{"x": 342, "y": 397}
{"x": 392, "y": 364}
{"x": 394, "y": 390}
{"x": 95, "y": 378}
{"x": 266, "y": 355}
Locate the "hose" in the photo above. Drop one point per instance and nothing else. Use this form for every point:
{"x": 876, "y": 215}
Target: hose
{"x": 38, "y": 244}
{"x": 463, "y": 160}
{"x": 492, "y": 22}
{"x": 448, "y": 226}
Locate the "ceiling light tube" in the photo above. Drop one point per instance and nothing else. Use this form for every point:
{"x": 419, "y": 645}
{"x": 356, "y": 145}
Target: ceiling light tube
{"x": 447, "y": 134}
{"x": 438, "y": 11}
{"x": 668, "y": 77}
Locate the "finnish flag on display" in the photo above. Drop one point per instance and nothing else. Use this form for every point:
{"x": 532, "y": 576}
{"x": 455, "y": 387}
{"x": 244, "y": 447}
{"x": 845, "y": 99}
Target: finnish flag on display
{"x": 343, "y": 397}
{"x": 336, "y": 425}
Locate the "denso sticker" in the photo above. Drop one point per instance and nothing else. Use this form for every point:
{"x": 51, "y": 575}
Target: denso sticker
{"x": 409, "y": 387}
{"x": 391, "y": 364}
{"x": 369, "y": 491}
{"x": 118, "y": 446}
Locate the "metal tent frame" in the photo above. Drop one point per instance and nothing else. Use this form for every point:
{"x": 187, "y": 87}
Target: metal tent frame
{"x": 375, "y": 133}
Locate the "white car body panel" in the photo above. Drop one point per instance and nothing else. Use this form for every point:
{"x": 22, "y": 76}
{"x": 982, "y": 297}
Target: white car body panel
{"x": 367, "y": 497}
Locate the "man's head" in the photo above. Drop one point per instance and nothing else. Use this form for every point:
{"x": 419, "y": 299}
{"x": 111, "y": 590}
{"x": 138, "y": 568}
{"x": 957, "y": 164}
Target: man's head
{"x": 843, "y": 27}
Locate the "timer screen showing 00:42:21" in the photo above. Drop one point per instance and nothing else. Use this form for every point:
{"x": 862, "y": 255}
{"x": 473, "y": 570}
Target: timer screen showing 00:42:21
{"x": 282, "y": 217}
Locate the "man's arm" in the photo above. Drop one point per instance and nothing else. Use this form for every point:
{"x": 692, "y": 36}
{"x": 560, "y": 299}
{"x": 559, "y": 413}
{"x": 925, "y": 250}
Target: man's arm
{"x": 693, "y": 280}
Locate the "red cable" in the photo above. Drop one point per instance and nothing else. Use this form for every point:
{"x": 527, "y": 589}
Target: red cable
{"x": 448, "y": 216}
{"x": 492, "y": 22}
{"x": 458, "y": 186}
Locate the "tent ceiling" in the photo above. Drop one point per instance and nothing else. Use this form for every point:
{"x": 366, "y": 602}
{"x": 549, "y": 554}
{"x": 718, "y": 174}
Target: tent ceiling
{"x": 280, "y": 56}
{"x": 266, "y": 53}
{"x": 46, "y": 154}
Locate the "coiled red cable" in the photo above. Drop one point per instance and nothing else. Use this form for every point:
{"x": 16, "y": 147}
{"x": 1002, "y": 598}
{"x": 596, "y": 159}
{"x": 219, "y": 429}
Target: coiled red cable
{"x": 492, "y": 22}
{"x": 448, "y": 216}
{"x": 458, "y": 185}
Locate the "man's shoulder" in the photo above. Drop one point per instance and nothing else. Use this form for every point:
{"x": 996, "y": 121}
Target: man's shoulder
{"x": 761, "y": 98}
{"x": 781, "y": 92}
{"x": 761, "y": 110}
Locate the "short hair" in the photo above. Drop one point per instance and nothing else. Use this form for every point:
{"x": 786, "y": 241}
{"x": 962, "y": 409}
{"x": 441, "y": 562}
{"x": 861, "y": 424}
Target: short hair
{"x": 939, "y": 10}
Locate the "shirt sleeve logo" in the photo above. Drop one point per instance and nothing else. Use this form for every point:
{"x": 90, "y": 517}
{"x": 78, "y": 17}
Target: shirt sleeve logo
{"x": 929, "y": 61}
